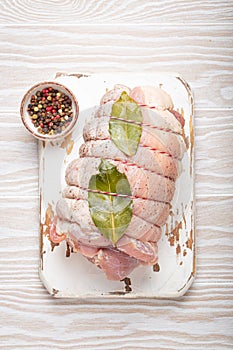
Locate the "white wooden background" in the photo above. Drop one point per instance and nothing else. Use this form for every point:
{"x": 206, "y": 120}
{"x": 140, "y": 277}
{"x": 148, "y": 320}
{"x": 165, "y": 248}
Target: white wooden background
{"x": 193, "y": 38}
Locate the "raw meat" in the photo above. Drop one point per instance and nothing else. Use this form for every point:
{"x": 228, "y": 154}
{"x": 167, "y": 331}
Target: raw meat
{"x": 151, "y": 173}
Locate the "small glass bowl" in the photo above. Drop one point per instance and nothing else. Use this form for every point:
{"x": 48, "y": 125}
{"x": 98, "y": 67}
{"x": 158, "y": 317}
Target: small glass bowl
{"x": 26, "y": 117}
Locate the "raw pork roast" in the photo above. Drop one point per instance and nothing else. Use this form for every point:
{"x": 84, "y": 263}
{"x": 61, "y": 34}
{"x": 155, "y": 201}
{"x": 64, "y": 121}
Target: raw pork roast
{"x": 151, "y": 173}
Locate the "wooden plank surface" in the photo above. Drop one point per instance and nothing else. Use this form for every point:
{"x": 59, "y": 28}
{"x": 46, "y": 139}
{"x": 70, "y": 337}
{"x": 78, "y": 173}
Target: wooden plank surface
{"x": 110, "y": 11}
{"x": 203, "y": 318}
{"x": 203, "y": 56}
{"x": 35, "y": 321}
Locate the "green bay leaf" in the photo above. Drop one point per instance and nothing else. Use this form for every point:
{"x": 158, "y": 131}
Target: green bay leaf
{"x": 126, "y": 135}
{"x": 110, "y": 214}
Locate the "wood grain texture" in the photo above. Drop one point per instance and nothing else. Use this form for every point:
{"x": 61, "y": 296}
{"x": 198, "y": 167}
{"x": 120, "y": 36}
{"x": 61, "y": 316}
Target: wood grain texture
{"x": 115, "y": 11}
{"x": 190, "y": 37}
{"x": 61, "y": 324}
{"x": 203, "y": 56}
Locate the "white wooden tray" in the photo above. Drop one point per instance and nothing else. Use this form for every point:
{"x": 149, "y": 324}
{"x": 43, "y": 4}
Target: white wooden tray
{"x": 75, "y": 276}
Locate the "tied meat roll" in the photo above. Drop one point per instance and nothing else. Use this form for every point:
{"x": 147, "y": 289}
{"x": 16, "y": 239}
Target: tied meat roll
{"x": 119, "y": 190}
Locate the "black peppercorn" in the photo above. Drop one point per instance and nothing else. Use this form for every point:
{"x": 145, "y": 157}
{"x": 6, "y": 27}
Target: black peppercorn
{"x": 50, "y": 111}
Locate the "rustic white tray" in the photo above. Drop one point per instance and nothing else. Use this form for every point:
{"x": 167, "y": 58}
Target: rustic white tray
{"x": 75, "y": 276}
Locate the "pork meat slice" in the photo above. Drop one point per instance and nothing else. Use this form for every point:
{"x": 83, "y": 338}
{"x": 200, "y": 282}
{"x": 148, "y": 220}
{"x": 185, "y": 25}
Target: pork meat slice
{"x": 86, "y": 250}
{"x": 144, "y": 184}
{"x": 115, "y": 264}
{"x": 163, "y": 119}
{"x": 151, "y": 211}
{"x": 88, "y": 237}
{"x": 82, "y": 227}
{"x": 173, "y": 144}
{"x": 157, "y": 97}
{"x": 149, "y": 95}
{"x": 114, "y": 94}
{"x": 144, "y": 251}
{"x": 74, "y": 217}
{"x": 147, "y": 159}
{"x": 152, "y": 96}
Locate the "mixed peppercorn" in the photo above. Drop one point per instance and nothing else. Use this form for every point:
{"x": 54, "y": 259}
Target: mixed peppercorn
{"x": 50, "y": 111}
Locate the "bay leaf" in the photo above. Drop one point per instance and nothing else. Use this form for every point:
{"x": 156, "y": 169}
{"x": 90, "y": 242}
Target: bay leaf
{"x": 125, "y": 134}
{"x": 110, "y": 214}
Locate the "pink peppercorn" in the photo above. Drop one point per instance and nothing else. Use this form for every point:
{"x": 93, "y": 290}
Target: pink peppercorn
{"x": 48, "y": 118}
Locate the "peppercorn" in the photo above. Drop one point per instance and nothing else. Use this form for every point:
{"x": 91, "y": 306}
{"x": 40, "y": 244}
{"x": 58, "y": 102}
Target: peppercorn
{"x": 50, "y": 111}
